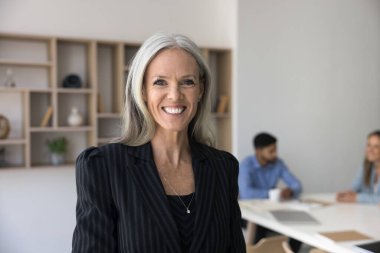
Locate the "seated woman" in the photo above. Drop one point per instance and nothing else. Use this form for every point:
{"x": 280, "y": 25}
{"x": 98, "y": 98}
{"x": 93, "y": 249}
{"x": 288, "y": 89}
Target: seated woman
{"x": 366, "y": 187}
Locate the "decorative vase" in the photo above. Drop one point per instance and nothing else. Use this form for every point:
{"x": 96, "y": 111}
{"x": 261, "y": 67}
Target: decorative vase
{"x": 57, "y": 158}
{"x": 75, "y": 119}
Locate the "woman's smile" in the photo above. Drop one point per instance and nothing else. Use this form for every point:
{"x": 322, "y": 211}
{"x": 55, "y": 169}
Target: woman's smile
{"x": 174, "y": 110}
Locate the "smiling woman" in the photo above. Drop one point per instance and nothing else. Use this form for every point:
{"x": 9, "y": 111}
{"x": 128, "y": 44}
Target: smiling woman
{"x": 162, "y": 187}
{"x": 138, "y": 124}
{"x": 366, "y": 186}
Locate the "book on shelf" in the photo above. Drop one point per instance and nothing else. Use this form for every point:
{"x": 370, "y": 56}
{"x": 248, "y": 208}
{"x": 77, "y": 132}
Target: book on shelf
{"x": 47, "y": 116}
{"x": 100, "y": 104}
{"x": 222, "y": 104}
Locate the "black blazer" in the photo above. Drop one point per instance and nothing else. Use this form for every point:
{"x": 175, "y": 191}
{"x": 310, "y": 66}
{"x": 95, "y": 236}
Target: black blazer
{"x": 122, "y": 205}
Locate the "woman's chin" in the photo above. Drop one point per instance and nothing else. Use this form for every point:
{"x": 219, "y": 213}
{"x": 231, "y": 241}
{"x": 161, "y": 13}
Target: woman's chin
{"x": 173, "y": 128}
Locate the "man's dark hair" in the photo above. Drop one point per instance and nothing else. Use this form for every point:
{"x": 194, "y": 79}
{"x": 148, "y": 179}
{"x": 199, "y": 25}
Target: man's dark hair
{"x": 263, "y": 140}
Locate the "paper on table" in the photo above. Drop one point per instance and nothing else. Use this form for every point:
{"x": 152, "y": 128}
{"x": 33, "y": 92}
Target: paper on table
{"x": 346, "y": 235}
{"x": 264, "y": 205}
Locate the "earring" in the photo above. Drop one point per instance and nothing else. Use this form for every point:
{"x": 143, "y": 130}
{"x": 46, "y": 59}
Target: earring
{"x": 199, "y": 99}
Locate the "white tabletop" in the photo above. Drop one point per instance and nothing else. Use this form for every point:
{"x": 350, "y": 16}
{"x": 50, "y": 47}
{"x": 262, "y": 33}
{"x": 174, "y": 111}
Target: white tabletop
{"x": 363, "y": 218}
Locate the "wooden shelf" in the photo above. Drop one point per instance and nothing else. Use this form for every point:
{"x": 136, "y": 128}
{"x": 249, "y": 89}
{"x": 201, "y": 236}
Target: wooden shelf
{"x": 41, "y": 90}
{"x": 13, "y": 89}
{"x": 13, "y": 142}
{"x": 41, "y": 65}
{"x": 110, "y": 115}
{"x": 13, "y": 167}
{"x": 61, "y": 129}
{"x": 74, "y": 129}
{"x": 24, "y": 89}
{"x": 41, "y": 129}
{"x": 75, "y": 90}
{"x": 48, "y": 166}
{"x": 25, "y": 63}
{"x": 221, "y": 115}
{"x": 105, "y": 140}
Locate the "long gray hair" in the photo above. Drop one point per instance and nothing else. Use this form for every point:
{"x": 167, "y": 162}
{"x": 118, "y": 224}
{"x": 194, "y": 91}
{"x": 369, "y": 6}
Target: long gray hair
{"x": 138, "y": 126}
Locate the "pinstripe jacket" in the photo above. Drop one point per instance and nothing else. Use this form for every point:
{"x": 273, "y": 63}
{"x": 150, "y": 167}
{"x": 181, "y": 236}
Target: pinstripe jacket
{"x": 122, "y": 206}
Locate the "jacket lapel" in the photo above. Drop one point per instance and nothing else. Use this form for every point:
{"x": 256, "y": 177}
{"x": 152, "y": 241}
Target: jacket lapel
{"x": 204, "y": 176}
{"x": 147, "y": 180}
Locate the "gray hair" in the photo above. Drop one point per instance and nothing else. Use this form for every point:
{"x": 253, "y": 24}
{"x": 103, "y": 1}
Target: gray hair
{"x": 138, "y": 126}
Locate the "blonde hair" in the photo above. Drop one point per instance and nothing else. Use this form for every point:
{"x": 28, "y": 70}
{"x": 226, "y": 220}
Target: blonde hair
{"x": 138, "y": 126}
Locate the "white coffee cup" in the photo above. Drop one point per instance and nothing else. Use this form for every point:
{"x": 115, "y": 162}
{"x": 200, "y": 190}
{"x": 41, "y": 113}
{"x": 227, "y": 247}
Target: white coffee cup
{"x": 275, "y": 195}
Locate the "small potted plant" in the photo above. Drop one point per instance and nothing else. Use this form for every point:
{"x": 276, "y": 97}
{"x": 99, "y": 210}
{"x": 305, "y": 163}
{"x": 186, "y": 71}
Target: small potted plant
{"x": 57, "y": 147}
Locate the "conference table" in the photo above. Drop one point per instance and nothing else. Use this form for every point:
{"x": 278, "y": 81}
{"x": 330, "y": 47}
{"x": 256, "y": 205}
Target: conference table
{"x": 331, "y": 217}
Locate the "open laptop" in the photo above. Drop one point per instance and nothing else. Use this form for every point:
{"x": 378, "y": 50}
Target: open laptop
{"x": 294, "y": 217}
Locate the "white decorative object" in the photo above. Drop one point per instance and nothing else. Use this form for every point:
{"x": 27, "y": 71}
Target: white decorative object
{"x": 9, "y": 79}
{"x": 57, "y": 159}
{"x": 275, "y": 195}
{"x": 75, "y": 119}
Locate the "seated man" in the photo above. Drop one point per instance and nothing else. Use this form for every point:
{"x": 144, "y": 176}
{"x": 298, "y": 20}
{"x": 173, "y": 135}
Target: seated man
{"x": 259, "y": 173}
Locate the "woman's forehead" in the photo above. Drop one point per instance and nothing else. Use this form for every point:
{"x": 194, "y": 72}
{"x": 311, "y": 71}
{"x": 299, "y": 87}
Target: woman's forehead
{"x": 173, "y": 60}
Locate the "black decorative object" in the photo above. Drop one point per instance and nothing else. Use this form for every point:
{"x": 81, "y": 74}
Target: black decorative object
{"x": 72, "y": 81}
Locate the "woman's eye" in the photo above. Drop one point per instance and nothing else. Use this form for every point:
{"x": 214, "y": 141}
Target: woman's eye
{"x": 159, "y": 82}
{"x": 188, "y": 82}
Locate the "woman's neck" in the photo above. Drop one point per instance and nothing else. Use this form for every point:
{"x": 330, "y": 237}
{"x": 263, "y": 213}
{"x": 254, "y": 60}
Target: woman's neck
{"x": 171, "y": 148}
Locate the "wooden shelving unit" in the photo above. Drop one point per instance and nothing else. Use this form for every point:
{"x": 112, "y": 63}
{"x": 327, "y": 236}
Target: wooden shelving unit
{"x": 40, "y": 64}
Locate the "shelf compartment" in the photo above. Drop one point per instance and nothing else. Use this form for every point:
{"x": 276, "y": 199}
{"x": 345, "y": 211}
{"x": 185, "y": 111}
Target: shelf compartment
{"x": 39, "y": 104}
{"x": 17, "y": 49}
{"x": 109, "y": 76}
{"x": 31, "y": 77}
{"x": 109, "y": 128}
{"x": 40, "y": 154}
{"x": 66, "y": 101}
{"x": 129, "y": 52}
{"x": 13, "y": 156}
{"x": 73, "y": 58}
{"x": 12, "y": 106}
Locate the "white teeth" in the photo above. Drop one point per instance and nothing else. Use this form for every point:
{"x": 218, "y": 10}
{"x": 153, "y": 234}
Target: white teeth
{"x": 174, "y": 110}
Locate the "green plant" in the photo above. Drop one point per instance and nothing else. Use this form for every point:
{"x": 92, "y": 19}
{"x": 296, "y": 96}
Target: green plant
{"x": 57, "y": 145}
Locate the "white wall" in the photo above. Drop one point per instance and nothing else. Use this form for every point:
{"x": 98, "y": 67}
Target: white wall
{"x": 308, "y": 71}
{"x": 37, "y": 210}
{"x": 37, "y": 207}
{"x": 209, "y": 23}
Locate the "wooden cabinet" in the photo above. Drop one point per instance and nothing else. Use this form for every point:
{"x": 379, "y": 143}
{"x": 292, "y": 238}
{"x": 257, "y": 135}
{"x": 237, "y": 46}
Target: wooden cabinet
{"x": 39, "y": 65}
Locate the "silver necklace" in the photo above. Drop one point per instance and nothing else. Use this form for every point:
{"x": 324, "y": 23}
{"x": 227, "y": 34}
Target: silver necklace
{"x": 183, "y": 203}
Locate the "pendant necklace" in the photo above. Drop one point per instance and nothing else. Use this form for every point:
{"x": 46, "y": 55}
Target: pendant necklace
{"x": 183, "y": 203}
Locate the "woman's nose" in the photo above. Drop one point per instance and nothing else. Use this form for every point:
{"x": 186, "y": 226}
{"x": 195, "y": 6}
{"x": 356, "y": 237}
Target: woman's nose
{"x": 174, "y": 93}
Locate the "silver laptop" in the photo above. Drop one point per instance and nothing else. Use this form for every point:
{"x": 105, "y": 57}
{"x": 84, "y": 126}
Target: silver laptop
{"x": 294, "y": 217}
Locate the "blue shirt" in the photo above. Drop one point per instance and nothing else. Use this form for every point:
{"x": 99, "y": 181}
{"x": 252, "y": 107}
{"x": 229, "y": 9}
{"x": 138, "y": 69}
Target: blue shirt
{"x": 255, "y": 180}
{"x": 366, "y": 194}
